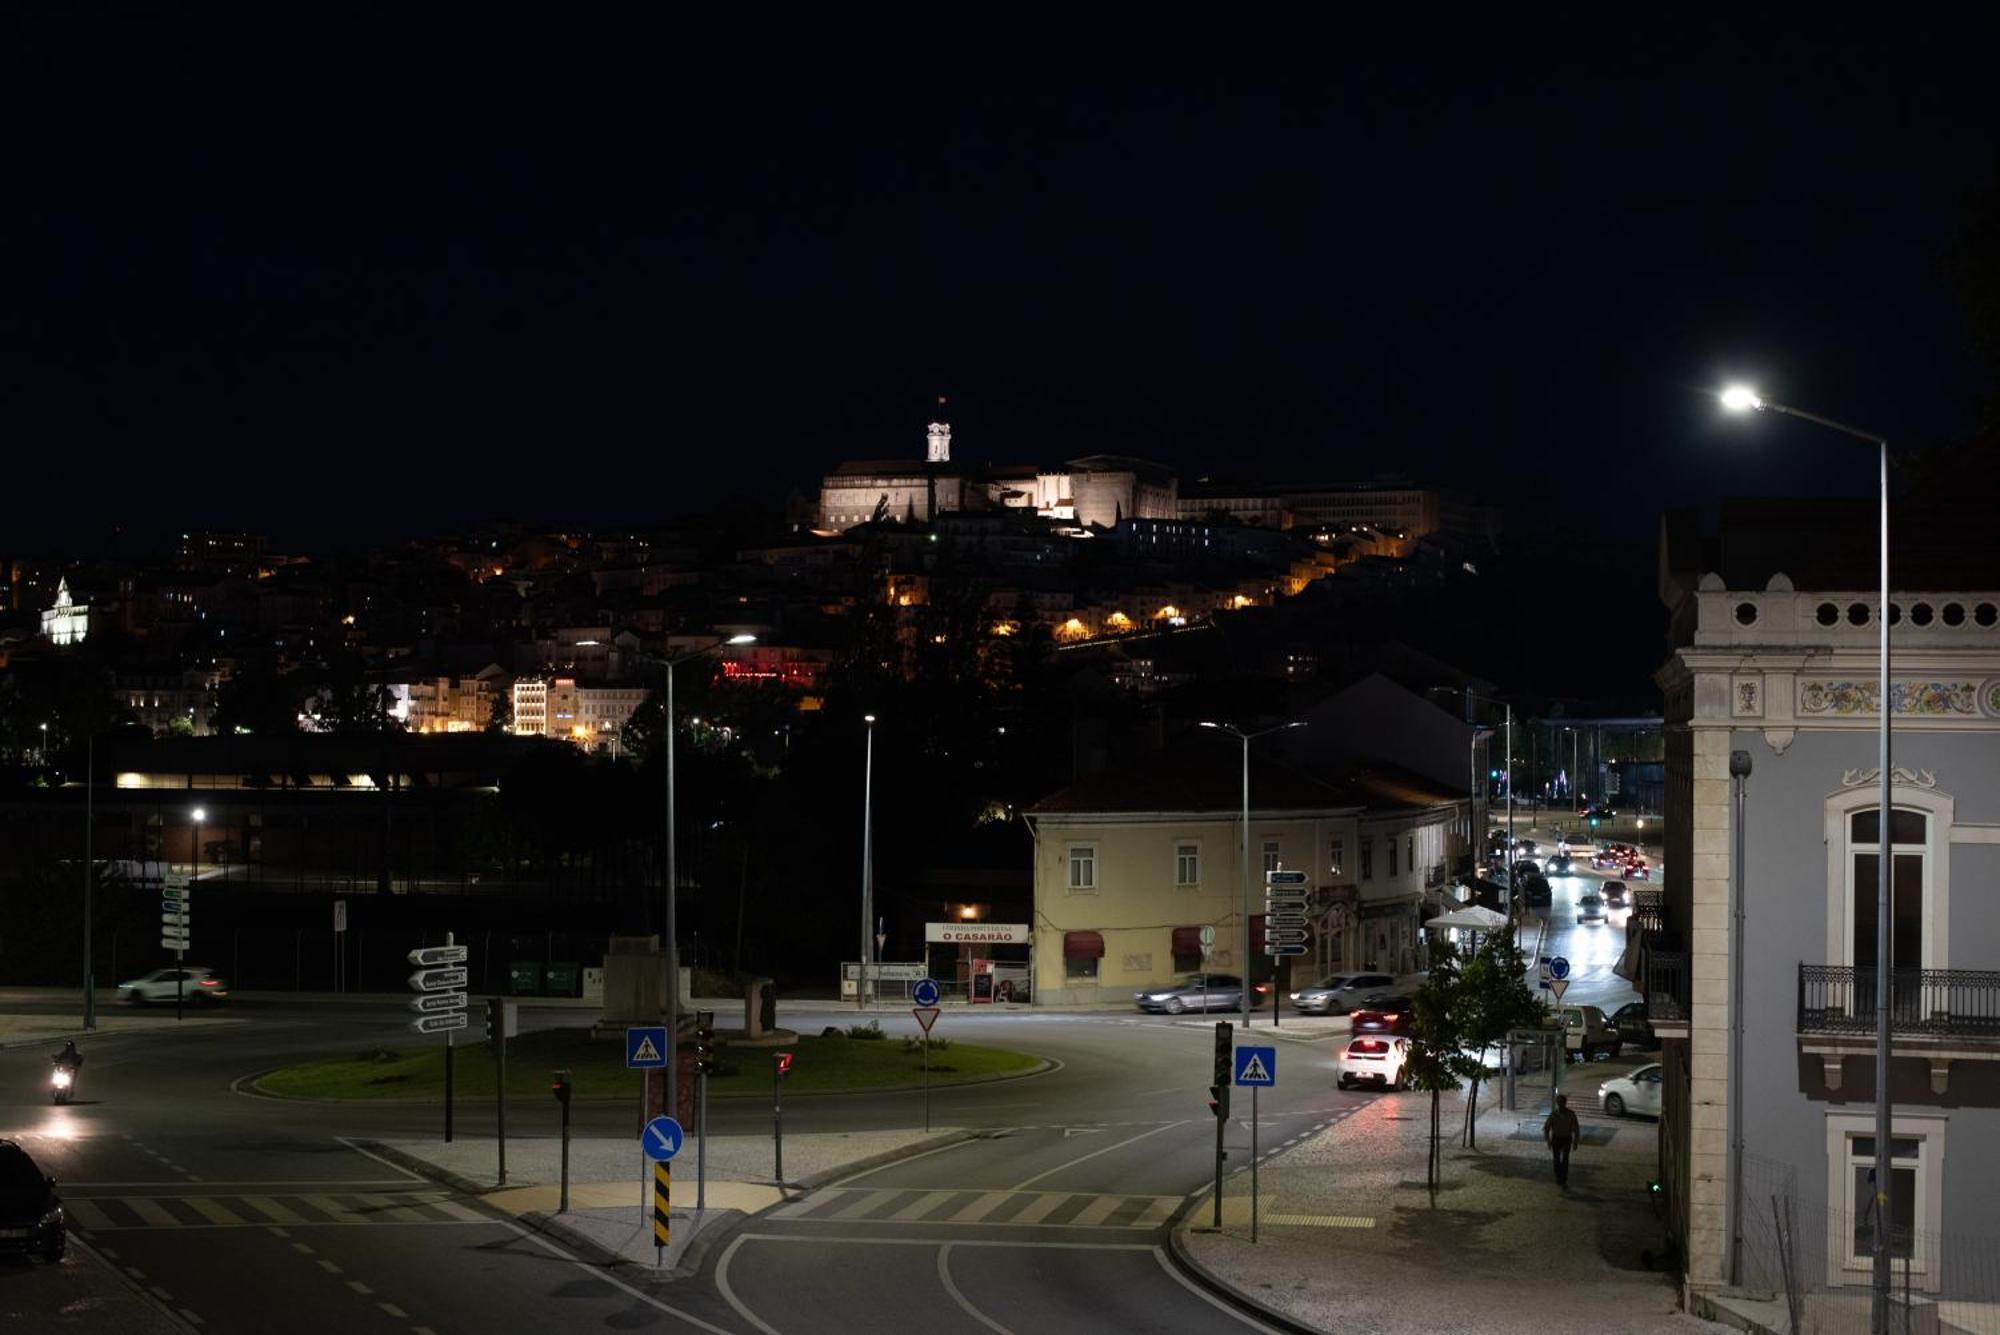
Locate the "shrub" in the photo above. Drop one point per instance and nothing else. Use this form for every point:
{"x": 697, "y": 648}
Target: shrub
{"x": 873, "y": 1029}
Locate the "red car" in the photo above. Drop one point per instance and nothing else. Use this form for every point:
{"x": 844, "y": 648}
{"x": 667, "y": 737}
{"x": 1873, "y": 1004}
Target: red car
{"x": 1390, "y": 1014}
{"x": 1635, "y": 870}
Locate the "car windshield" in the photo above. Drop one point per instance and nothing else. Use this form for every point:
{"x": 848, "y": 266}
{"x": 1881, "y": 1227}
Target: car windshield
{"x": 20, "y": 1181}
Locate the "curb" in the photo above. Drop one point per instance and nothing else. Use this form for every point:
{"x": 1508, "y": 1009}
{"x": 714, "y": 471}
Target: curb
{"x": 1198, "y": 1273}
{"x": 246, "y": 1086}
{"x": 812, "y": 1181}
{"x": 424, "y": 1168}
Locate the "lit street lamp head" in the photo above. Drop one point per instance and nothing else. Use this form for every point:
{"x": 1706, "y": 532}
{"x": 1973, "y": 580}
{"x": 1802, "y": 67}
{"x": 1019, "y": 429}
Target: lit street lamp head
{"x": 742, "y": 639}
{"x": 1741, "y": 399}
{"x": 200, "y": 815}
{"x": 868, "y": 719}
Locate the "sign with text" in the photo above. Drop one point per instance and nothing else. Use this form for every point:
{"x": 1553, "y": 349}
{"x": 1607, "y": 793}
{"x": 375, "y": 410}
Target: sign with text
{"x": 1287, "y": 897}
{"x": 978, "y": 933}
{"x": 880, "y": 971}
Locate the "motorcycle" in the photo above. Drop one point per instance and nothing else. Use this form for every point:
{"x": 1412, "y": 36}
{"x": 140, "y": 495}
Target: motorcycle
{"x": 61, "y": 1081}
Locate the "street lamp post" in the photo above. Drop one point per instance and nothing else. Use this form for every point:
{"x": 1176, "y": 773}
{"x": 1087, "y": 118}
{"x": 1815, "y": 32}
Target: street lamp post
{"x": 180, "y": 956}
{"x": 1742, "y": 399}
{"x": 89, "y": 874}
{"x": 867, "y": 862}
{"x": 1246, "y": 738}
{"x": 671, "y": 883}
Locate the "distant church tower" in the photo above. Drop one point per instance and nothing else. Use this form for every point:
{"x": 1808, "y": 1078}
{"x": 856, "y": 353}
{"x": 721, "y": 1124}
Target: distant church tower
{"x": 940, "y": 438}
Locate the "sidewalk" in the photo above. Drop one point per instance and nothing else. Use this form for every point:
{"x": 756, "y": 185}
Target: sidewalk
{"x": 26, "y": 1031}
{"x": 1350, "y": 1238}
{"x": 610, "y": 1214}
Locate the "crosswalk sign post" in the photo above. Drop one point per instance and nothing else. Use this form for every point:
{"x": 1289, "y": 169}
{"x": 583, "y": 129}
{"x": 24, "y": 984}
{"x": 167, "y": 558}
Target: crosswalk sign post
{"x": 1256, "y": 1067}
{"x": 661, "y": 1141}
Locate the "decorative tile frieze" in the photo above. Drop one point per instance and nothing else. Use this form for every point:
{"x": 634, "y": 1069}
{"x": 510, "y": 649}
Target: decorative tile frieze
{"x": 1840, "y": 697}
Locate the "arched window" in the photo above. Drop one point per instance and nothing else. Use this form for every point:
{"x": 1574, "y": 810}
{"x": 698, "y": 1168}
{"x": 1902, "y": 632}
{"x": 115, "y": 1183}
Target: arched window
{"x": 1920, "y": 823}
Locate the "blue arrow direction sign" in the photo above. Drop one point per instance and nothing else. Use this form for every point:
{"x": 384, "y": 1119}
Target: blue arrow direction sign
{"x": 1257, "y": 1066}
{"x": 646, "y": 1050}
{"x": 925, "y": 993}
{"x": 1282, "y": 877}
{"x": 1558, "y": 967}
{"x": 661, "y": 1140}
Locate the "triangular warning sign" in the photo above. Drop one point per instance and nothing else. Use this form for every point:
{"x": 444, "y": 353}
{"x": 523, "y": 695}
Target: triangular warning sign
{"x": 1253, "y": 1072}
{"x": 646, "y": 1052}
{"x": 926, "y": 1016}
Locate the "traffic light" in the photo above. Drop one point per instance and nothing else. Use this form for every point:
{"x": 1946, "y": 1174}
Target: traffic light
{"x": 560, "y": 1087}
{"x": 1224, "y": 1052}
{"x": 784, "y": 1060}
{"x": 1218, "y": 1101}
{"x": 496, "y": 1025}
{"x": 704, "y": 1042}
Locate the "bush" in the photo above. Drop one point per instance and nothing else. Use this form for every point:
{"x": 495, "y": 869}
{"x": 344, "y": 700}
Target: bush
{"x": 914, "y": 1045}
{"x": 873, "y": 1029}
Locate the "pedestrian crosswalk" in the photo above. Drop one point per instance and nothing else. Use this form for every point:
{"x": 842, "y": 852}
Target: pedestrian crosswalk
{"x": 99, "y": 1214}
{"x": 1019, "y": 1209}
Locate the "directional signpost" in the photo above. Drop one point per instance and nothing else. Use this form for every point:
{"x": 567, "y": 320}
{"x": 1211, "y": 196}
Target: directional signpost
{"x": 661, "y": 1141}
{"x": 1287, "y": 896}
{"x": 1256, "y": 1068}
{"x": 439, "y": 984}
{"x": 177, "y": 929}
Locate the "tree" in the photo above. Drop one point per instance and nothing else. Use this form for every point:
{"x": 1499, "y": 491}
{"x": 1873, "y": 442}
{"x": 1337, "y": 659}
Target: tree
{"x": 1493, "y": 999}
{"x": 1436, "y": 1061}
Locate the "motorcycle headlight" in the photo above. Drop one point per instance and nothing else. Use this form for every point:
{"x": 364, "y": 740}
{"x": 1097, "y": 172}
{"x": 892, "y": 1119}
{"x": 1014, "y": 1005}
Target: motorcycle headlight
{"x": 62, "y": 1079}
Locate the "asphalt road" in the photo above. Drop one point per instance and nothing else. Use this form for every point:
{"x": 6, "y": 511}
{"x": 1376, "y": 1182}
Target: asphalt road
{"x": 1055, "y": 1223}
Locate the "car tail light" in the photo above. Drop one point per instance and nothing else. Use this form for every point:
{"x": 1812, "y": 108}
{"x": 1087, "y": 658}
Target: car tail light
{"x": 211, "y": 982}
{"x": 1371, "y": 1045}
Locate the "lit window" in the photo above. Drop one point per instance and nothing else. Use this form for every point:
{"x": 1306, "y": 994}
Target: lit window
{"x": 1337, "y": 853}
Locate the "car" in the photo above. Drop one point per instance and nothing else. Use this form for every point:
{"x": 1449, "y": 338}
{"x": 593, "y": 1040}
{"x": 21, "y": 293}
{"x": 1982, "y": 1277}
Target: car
{"x": 31, "y": 1213}
{"x": 1340, "y": 993}
{"x": 1385, "y": 1013}
{"x": 1616, "y": 896}
{"x": 1587, "y": 1034}
{"x": 194, "y": 984}
{"x": 1526, "y": 847}
{"x": 1378, "y": 1059}
{"x": 1576, "y": 843}
{"x": 1527, "y": 867}
{"x": 1635, "y": 870}
{"x": 1638, "y": 1092}
{"x": 1607, "y": 859}
{"x": 1562, "y": 864}
{"x": 1600, "y": 813}
{"x": 1635, "y": 1025}
{"x": 1215, "y": 991}
{"x": 1535, "y": 892}
{"x": 1590, "y": 908}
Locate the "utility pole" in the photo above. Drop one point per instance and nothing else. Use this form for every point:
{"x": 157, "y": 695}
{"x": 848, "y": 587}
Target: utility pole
{"x": 867, "y": 864}
{"x": 89, "y": 875}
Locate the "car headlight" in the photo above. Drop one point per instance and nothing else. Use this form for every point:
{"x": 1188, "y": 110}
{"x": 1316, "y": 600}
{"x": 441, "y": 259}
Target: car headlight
{"x": 50, "y": 1219}
{"x": 1295, "y": 996}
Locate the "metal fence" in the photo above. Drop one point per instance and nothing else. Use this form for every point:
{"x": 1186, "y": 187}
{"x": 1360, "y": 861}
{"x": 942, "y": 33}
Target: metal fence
{"x": 1796, "y": 1253}
{"x": 1841, "y": 999}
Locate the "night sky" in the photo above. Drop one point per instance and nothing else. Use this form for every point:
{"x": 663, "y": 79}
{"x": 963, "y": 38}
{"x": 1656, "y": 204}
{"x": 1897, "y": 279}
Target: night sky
{"x": 342, "y": 281}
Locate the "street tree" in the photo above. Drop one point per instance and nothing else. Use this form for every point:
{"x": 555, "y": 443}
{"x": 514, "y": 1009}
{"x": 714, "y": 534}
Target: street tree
{"x": 1436, "y": 1062}
{"x": 1493, "y": 999}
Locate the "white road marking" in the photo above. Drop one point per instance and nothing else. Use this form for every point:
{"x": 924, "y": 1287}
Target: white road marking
{"x": 964, "y": 1303}
{"x": 190, "y": 1317}
{"x": 402, "y": 1172}
{"x": 729, "y": 1294}
{"x": 603, "y": 1276}
{"x": 881, "y": 1168}
{"x": 956, "y": 1242}
{"x": 1160, "y": 1255}
{"x": 1118, "y": 1145}
{"x": 360, "y": 1288}
{"x": 394, "y": 1311}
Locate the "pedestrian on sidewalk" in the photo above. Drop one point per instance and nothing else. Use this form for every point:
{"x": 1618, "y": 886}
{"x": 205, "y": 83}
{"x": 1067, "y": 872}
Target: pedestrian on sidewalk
{"x": 1562, "y": 1131}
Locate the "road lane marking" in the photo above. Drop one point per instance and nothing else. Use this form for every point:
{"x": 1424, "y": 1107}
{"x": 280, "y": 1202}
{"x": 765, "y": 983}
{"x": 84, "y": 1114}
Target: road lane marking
{"x": 394, "y": 1311}
{"x": 400, "y": 1171}
{"x": 1118, "y": 1145}
{"x": 729, "y": 1294}
{"x": 1040, "y": 1208}
{"x": 912, "y": 1158}
{"x": 602, "y": 1276}
{"x": 360, "y": 1288}
{"x": 151, "y": 1213}
{"x": 1160, "y": 1255}
{"x": 820, "y": 1238}
{"x": 964, "y": 1303}
{"x": 983, "y": 1205}
{"x": 330, "y": 1267}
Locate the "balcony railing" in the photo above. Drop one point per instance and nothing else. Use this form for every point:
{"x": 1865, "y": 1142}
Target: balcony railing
{"x": 1666, "y": 984}
{"x": 1957, "y": 1003}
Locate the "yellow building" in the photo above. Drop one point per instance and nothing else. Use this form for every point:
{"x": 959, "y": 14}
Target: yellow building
{"x": 1130, "y": 865}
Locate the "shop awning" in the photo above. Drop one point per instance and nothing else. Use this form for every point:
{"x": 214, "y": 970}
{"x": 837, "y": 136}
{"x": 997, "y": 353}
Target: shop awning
{"x": 1187, "y": 940}
{"x": 1083, "y": 945}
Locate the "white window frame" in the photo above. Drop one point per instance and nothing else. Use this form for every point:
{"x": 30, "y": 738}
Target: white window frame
{"x": 1274, "y": 855}
{"x": 1938, "y": 809}
{"x": 1070, "y": 861}
{"x": 1187, "y": 878}
{"x": 1336, "y": 854}
{"x": 1927, "y": 1212}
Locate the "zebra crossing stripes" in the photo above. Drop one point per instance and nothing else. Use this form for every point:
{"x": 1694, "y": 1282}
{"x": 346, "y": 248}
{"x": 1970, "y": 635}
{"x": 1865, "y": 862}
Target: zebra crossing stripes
{"x": 1019, "y": 1209}
{"x": 103, "y": 1214}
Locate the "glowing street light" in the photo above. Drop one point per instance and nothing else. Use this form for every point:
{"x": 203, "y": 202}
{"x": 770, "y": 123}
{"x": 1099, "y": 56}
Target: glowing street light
{"x": 1741, "y": 399}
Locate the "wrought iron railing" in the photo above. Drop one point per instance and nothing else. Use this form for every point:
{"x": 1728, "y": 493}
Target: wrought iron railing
{"x": 1666, "y": 983}
{"x": 1841, "y": 999}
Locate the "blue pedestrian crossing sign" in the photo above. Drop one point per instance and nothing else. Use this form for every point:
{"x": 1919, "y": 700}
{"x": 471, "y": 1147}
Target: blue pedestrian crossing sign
{"x": 1257, "y": 1066}
{"x": 661, "y": 1140}
{"x": 646, "y": 1047}
{"x": 925, "y": 993}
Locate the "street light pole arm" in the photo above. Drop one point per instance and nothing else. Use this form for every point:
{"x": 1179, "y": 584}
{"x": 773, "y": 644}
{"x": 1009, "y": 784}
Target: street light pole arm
{"x": 1826, "y": 422}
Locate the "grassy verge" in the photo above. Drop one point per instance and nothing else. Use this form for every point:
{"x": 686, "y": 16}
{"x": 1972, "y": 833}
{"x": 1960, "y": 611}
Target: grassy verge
{"x": 415, "y": 1069}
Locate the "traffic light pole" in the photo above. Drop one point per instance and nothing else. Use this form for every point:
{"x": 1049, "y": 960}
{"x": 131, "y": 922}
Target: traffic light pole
{"x": 1219, "y": 1106}
{"x": 561, "y": 1089}
{"x": 496, "y": 1024}
{"x": 778, "y": 1118}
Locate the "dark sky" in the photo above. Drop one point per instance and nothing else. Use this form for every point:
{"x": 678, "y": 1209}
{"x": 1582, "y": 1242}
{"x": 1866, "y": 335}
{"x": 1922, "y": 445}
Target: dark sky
{"x": 337, "y": 279}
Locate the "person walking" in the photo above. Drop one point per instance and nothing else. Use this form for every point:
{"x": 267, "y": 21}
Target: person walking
{"x": 1562, "y": 1131}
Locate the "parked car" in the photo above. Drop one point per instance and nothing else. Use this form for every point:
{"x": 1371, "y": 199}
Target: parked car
{"x": 1385, "y": 1014}
{"x": 1340, "y": 993}
{"x": 1527, "y": 867}
{"x": 1587, "y": 1034}
{"x": 1590, "y": 908}
{"x": 1562, "y": 864}
{"x": 1634, "y": 1025}
{"x": 195, "y": 985}
{"x": 1379, "y": 1060}
{"x": 31, "y": 1213}
{"x": 1616, "y": 896}
{"x": 1638, "y": 1092}
{"x": 1535, "y": 892}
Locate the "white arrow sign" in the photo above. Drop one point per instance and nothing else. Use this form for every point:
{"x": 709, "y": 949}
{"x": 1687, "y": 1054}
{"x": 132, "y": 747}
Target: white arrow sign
{"x": 438, "y": 955}
{"x": 437, "y": 980}
{"x": 176, "y": 919}
{"x": 443, "y": 1022}
{"x": 181, "y": 933}
{"x": 431, "y": 1002}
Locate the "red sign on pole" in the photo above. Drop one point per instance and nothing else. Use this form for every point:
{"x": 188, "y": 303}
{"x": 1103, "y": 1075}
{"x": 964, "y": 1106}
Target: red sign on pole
{"x": 784, "y": 1063}
{"x": 926, "y": 1016}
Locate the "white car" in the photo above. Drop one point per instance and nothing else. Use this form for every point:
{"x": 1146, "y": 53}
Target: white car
{"x": 196, "y": 985}
{"x": 1374, "y": 1058}
{"x": 1638, "y": 1092}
